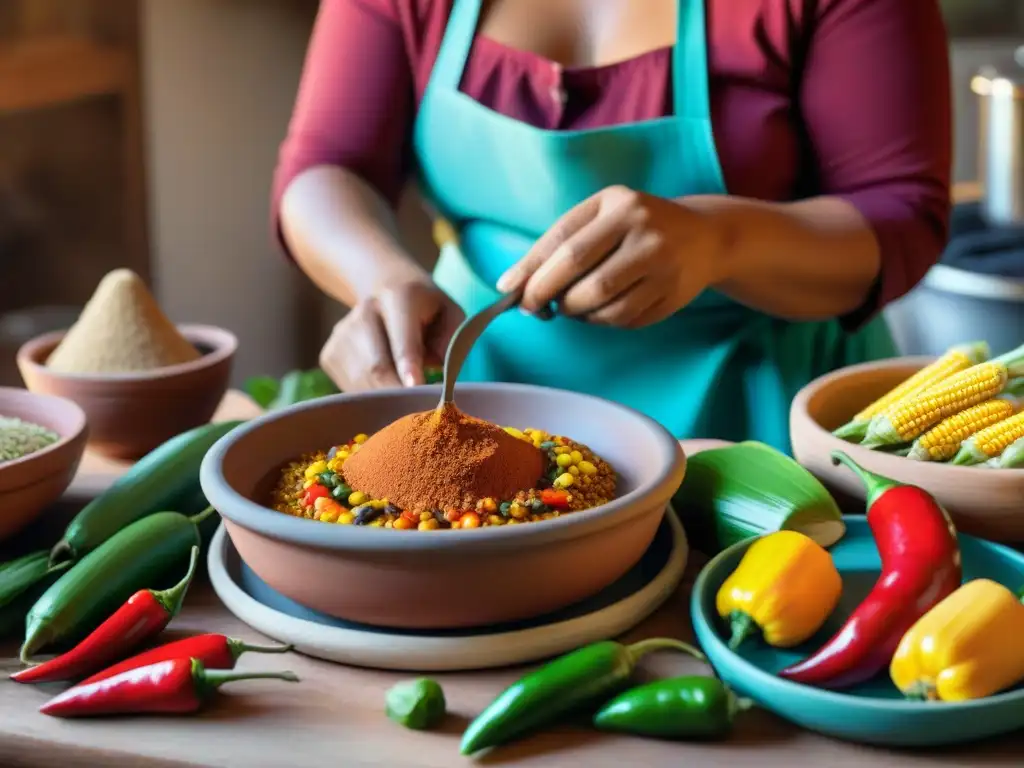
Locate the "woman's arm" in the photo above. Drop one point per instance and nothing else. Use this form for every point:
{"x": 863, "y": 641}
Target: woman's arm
{"x": 343, "y": 163}
{"x": 875, "y": 100}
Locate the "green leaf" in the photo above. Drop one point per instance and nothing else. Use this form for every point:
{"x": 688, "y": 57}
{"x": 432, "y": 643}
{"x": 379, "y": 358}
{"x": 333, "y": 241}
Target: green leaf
{"x": 262, "y": 389}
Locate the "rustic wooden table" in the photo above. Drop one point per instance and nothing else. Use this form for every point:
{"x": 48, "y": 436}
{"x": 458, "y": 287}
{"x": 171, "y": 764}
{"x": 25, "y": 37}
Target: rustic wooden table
{"x": 335, "y": 716}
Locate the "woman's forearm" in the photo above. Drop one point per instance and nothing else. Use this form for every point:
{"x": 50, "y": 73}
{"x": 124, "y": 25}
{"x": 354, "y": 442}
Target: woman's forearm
{"x": 807, "y": 260}
{"x": 343, "y": 235}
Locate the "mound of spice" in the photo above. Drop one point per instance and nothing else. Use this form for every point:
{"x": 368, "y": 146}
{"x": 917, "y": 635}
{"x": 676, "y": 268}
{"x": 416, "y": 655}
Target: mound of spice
{"x": 443, "y": 460}
{"x": 121, "y": 330}
{"x": 20, "y": 438}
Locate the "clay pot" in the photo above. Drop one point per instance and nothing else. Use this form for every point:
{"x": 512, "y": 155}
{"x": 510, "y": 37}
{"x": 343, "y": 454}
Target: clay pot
{"x": 32, "y": 483}
{"x": 453, "y": 578}
{"x": 984, "y": 502}
{"x": 131, "y": 414}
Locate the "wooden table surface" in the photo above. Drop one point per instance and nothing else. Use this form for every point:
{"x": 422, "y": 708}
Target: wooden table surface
{"x": 334, "y": 717}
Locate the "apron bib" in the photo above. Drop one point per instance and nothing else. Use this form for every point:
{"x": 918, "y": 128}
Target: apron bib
{"x": 715, "y": 368}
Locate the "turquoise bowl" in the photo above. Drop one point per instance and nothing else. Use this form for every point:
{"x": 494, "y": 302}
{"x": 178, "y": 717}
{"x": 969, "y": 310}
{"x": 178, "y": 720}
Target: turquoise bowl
{"x": 872, "y": 713}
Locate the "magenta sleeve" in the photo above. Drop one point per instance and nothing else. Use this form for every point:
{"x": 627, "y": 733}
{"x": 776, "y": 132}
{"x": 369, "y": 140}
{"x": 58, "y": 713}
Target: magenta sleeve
{"x": 355, "y": 101}
{"x": 875, "y": 99}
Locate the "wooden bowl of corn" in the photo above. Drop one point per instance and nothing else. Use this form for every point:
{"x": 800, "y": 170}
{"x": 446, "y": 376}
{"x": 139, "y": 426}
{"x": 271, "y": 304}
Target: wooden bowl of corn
{"x": 953, "y": 426}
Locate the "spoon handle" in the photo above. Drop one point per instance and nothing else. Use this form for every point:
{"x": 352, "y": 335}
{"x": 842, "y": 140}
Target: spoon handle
{"x": 464, "y": 338}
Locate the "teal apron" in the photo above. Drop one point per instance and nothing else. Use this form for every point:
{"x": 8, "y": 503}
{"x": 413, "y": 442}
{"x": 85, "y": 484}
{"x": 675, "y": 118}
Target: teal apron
{"x": 715, "y": 368}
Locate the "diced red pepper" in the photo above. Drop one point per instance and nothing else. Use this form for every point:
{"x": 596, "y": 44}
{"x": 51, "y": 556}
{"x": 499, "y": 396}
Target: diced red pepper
{"x": 314, "y": 492}
{"x": 554, "y": 498}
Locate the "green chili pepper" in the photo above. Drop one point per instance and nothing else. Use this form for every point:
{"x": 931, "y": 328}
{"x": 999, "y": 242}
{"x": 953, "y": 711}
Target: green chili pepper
{"x": 20, "y": 575}
{"x": 418, "y": 704}
{"x": 680, "y": 708}
{"x": 579, "y": 680}
{"x": 433, "y": 374}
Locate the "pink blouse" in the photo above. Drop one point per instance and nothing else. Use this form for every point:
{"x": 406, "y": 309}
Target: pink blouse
{"x": 849, "y": 98}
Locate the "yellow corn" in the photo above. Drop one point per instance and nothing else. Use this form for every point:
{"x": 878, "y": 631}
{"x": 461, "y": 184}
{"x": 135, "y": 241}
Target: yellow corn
{"x": 966, "y": 647}
{"x": 941, "y": 442}
{"x": 785, "y": 586}
{"x": 991, "y": 441}
{"x": 955, "y": 359}
{"x": 909, "y": 419}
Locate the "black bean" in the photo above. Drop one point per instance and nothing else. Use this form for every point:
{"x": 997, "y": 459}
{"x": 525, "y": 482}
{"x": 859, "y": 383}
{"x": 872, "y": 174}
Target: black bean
{"x": 391, "y": 509}
{"x": 365, "y": 513}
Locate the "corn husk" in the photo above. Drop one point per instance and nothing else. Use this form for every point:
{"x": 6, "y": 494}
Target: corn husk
{"x": 733, "y": 493}
{"x": 1011, "y": 458}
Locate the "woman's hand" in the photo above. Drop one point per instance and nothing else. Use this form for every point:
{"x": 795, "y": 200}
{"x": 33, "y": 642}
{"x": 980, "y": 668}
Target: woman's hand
{"x": 621, "y": 258}
{"x": 384, "y": 341}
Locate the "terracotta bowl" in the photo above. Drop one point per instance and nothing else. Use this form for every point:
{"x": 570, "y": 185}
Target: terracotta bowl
{"x": 443, "y": 579}
{"x": 131, "y": 414}
{"x": 30, "y": 484}
{"x": 984, "y": 502}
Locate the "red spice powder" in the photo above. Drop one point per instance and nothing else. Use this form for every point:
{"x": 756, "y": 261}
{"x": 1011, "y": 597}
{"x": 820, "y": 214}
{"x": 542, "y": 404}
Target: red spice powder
{"x": 443, "y": 460}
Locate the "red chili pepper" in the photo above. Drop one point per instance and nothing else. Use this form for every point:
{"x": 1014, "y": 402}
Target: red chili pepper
{"x": 920, "y": 566}
{"x": 314, "y": 492}
{"x": 143, "y": 616}
{"x": 556, "y": 499}
{"x": 172, "y": 687}
{"x": 214, "y": 651}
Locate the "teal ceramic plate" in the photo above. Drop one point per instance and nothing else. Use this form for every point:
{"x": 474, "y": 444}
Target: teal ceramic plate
{"x": 873, "y": 713}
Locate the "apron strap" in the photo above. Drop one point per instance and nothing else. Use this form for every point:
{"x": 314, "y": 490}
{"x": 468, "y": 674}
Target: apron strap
{"x": 456, "y": 44}
{"x": 690, "y": 90}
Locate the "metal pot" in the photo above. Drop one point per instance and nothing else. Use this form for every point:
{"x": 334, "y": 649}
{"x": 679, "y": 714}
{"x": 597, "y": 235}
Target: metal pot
{"x": 1000, "y": 92}
{"x": 953, "y": 306}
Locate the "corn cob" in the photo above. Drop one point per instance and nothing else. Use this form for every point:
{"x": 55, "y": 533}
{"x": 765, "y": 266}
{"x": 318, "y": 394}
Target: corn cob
{"x": 941, "y": 442}
{"x": 954, "y": 360}
{"x": 909, "y": 419}
{"x": 1011, "y": 458}
{"x": 991, "y": 441}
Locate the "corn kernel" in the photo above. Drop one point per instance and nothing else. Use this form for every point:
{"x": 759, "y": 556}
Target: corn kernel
{"x": 308, "y": 483}
{"x": 565, "y": 480}
{"x": 518, "y": 511}
{"x": 356, "y": 498}
{"x": 328, "y": 517}
{"x": 576, "y": 457}
{"x": 336, "y": 464}
{"x": 469, "y": 520}
{"x": 404, "y": 524}
{"x": 360, "y": 439}
{"x": 378, "y": 503}
{"x": 564, "y": 460}
{"x": 488, "y": 505}
{"x": 562, "y": 449}
{"x": 496, "y": 520}
{"x": 316, "y": 468}
{"x": 574, "y": 470}
{"x": 346, "y": 518}
{"x": 587, "y": 468}
{"x": 515, "y": 433}
{"x": 424, "y": 516}
{"x": 389, "y": 524}
{"x": 429, "y": 525}
{"x": 378, "y": 523}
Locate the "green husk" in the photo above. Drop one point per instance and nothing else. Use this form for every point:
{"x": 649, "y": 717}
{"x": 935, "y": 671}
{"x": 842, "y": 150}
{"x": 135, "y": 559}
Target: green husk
{"x": 1012, "y": 456}
{"x": 734, "y": 493}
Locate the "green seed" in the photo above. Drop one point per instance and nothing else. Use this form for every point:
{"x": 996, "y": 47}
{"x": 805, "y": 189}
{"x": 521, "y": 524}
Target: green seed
{"x": 20, "y": 438}
{"x": 418, "y": 704}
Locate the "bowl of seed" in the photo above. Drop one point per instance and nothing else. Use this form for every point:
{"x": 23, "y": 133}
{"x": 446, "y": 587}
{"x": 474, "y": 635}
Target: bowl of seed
{"x": 140, "y": 378}
{"x": 42, "y": 439}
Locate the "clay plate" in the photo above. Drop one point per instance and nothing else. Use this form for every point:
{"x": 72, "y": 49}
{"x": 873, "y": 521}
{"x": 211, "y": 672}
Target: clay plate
{"x": 131, "y": 414}
{"x": 30, "y": 484}
{"x": 443, "y": 579}
{"x": 984, "y": 502}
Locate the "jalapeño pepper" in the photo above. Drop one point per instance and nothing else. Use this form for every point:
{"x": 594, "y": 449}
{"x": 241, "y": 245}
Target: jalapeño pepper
{"x": 690, "y": 707}
{"x": 579, "y": 680}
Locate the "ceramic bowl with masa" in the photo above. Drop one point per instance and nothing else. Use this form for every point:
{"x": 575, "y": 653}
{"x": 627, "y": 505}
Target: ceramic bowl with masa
{"x": 130, "y": 414}
{"x": 983, "y": 502}
{"x": 452, "y": 578}
{"x": 31, "y": 483}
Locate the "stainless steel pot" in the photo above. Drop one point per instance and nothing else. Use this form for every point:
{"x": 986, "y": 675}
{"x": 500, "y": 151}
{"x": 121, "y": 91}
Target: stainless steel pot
{"x": 1000, "y": 92}
{"x": 952, "y": 306}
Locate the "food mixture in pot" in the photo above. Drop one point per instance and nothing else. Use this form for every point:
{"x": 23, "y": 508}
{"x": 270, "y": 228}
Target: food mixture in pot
{"x": 431, "y": 471}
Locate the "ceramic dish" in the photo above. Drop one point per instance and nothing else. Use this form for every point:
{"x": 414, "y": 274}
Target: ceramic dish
{"x": 30, "y": 484}
{"x": 611, "y": 612}
{"x": 873, "y": 713}
{"x": 452, "y": 578}
{"x": 131, "y": 414}
{"x": 981, "y": 501}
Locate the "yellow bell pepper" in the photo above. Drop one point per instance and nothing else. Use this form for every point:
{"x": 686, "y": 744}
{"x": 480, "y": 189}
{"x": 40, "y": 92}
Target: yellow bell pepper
{"x": 966, "y": 647}
{"x": 785, "y": 586}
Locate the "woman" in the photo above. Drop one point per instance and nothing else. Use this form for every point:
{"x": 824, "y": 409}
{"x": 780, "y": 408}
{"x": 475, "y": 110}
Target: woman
{"x": 717, "y": 196}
